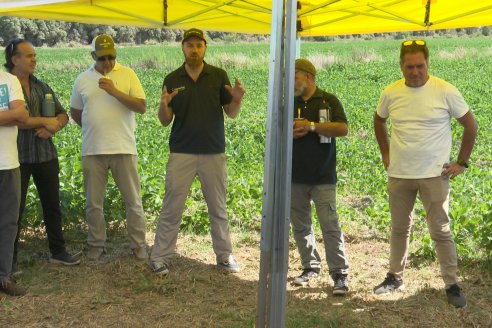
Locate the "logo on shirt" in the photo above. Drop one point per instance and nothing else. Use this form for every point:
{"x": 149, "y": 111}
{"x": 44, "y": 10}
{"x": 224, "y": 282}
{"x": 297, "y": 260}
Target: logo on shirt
{"x": 4, "y": 97}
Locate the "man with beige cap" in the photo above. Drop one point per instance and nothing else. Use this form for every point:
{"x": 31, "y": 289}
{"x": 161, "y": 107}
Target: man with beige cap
{"x": 319, "y": 118}
{"x": 104, "y": 100}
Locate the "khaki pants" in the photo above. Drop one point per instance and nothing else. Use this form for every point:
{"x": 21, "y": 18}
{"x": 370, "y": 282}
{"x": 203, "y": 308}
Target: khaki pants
{"x": 434, "y": 193}
{"x": 180, "y": 172}
{"x": 124, "y": 170}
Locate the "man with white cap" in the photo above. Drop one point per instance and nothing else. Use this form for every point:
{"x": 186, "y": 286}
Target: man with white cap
{"x": 103, "y": 102}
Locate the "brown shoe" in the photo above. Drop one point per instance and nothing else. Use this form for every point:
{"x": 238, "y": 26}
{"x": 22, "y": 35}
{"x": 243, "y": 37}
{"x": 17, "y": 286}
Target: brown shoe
{"x": 11, "y": 288}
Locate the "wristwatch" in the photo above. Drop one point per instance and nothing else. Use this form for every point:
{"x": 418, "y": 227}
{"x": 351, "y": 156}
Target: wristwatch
{"x": 312, "y": 128}
{"x": 462, "y": 163}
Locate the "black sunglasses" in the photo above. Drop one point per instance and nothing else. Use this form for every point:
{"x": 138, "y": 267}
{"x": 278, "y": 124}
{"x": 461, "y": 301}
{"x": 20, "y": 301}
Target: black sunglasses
{"x": 104, "y": 58}
{"x": 12, "y": 45}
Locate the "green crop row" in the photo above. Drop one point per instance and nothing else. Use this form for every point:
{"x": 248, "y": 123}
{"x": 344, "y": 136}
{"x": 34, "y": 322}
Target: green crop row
{"x": 355, "y": 71}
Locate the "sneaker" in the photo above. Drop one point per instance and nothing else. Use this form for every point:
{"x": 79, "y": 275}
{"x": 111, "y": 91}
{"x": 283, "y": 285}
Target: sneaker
{"x": 64, "y": 258}
{"x": 94, "y": 253}
{"x": 140, "y": 253}
{"x": 11, "y": 288}
{"x": 306, "y": 276}
{"x": 340, "y": 284}
{"x": 455, "y": 296}
{"x": 159, "y": 268}
{"x": 391, "y": 283}
{"x": 229, "y": 265}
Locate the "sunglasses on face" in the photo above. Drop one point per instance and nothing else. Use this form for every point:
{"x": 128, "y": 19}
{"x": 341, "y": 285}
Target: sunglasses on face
{"x": 412, "y": 42}
{"x": 104, "y": 58}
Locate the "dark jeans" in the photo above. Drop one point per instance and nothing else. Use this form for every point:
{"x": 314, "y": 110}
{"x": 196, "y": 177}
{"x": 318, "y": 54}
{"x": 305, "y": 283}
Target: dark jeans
{"x": 47, "y": 183}
{"x": 9, "y": 211}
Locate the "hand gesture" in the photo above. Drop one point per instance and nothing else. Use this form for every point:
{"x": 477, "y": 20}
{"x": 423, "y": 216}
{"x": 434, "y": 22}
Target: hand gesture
{"x": 107, "y": 85}
{"x": 237, "y": 92}
{"x": 167, "y": 97}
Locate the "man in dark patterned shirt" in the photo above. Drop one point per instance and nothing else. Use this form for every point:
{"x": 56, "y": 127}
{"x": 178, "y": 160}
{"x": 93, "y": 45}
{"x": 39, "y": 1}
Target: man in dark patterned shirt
{"x": 37, "y": 153}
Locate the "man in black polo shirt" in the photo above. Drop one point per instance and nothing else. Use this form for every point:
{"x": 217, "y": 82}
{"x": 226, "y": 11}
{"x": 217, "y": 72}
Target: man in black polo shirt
{"x": 196, "y": 95}
{"x": 319, "y": 118}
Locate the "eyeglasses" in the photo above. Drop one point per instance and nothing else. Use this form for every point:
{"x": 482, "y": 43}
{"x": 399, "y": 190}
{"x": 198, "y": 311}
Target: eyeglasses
{"x": 412, "y": 42}
{"x": 104, "y": 58}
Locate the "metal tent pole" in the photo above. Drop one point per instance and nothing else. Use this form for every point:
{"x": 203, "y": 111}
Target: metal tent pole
{"x": 277, "y": 176}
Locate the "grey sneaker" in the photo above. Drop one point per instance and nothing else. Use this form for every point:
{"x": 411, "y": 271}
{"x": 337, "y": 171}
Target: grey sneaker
{"x": 140, "y": 253}
{"x": 94, "y": 253}
{"x": 159, "y": 268}
{"x": 455, "y": 296}
{"x": 64, "y": 258}
{"x": 390, "y": 284}
{"x": 229, "y": 265}
{"x": 306, "y": 276}
{"x": 11, "y": 288}
{"x": 340, "y": 284}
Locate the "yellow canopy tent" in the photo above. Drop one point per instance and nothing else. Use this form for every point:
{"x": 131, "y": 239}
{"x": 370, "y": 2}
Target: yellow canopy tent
{"x": 316, "y": 17}
{"x": 283, "y": 20}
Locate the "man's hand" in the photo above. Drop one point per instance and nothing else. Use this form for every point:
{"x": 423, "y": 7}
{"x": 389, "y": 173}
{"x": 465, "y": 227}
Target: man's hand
{"x": 52, "y": 125}
{"x": 167, "y": 97}
{"x": 107, "y": 85}
{"x": 451, "y": 170}
{"x": 300, "y": 128}
{"x": 42, "y": 133}
{"x": 237, "y": 92}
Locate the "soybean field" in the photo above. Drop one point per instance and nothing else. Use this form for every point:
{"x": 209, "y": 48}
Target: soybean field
{"x": 356, "y": 71}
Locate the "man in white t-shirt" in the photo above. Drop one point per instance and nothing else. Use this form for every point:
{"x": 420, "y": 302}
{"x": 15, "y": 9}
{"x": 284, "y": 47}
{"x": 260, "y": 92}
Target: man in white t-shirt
{"x": 103, "y": 102}
{"x": 420, "y": 107}
{"x": 12, "y": 113}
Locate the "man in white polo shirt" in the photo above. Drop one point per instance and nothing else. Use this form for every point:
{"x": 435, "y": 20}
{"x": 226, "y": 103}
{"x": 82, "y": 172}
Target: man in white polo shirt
{"x": 12, "y": 112}
{"x": 420, "y": 107}
{"x": 104, "y": 100}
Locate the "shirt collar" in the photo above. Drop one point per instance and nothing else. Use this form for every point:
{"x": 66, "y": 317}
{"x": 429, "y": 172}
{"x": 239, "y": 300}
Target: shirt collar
{"x": 206, "y": 69}
{"x": 116, "y": 67}
{"x": 317, "y": 94}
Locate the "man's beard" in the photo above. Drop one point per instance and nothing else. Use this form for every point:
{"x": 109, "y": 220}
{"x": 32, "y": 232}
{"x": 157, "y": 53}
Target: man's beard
{"x": 194, "y": 61}
{"x": 300, "y": 90}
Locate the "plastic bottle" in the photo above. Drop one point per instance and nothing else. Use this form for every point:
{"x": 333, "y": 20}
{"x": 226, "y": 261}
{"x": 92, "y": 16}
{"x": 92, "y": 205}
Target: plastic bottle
{"x": 324, "y": 116}
{"x": 48, "y": 109}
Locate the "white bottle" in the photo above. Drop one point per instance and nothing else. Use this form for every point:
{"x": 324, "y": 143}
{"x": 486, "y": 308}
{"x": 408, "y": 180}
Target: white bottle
{"x": 324, "y": 117}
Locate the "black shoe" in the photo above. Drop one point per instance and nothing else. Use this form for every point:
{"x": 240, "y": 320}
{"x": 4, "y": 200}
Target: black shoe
{"x": 391, "y": 283}
{"x": 340, "y": 284}
{"x": 306, "y": 276}
{"x": 64, "y": 258}
{"x": 11, "y": 288}
{"x": 455, "y": 296}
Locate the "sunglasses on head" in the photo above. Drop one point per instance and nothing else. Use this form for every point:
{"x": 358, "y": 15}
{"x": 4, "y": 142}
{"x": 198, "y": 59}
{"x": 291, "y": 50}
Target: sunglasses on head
{"x": 412, "y": 42}
{"x": 104, "y": 58}
{"x": 12, "y": 44}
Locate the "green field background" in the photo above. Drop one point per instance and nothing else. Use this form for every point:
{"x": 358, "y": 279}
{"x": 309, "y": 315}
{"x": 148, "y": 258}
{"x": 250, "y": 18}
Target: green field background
{"x": 356, "y": 71}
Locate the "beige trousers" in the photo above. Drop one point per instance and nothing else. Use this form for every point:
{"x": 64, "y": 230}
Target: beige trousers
{"x": 434, "y": 193}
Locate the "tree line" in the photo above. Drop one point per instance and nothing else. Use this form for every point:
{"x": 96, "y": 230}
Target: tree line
{"x": 60, "y": 33}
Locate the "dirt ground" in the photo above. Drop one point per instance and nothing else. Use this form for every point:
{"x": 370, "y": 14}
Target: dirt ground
{"x": 119, "y": 291}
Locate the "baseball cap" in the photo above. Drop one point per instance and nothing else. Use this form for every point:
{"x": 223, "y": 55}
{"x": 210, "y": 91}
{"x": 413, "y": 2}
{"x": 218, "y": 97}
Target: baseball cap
{"x": 305, "y": 66}
{"x": 103, "y": 45}
{"x": 193, "y": 32}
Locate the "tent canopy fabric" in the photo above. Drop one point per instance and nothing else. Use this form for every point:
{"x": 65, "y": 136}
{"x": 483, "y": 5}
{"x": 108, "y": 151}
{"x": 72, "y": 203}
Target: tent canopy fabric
{"x": 315, "y": 17}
